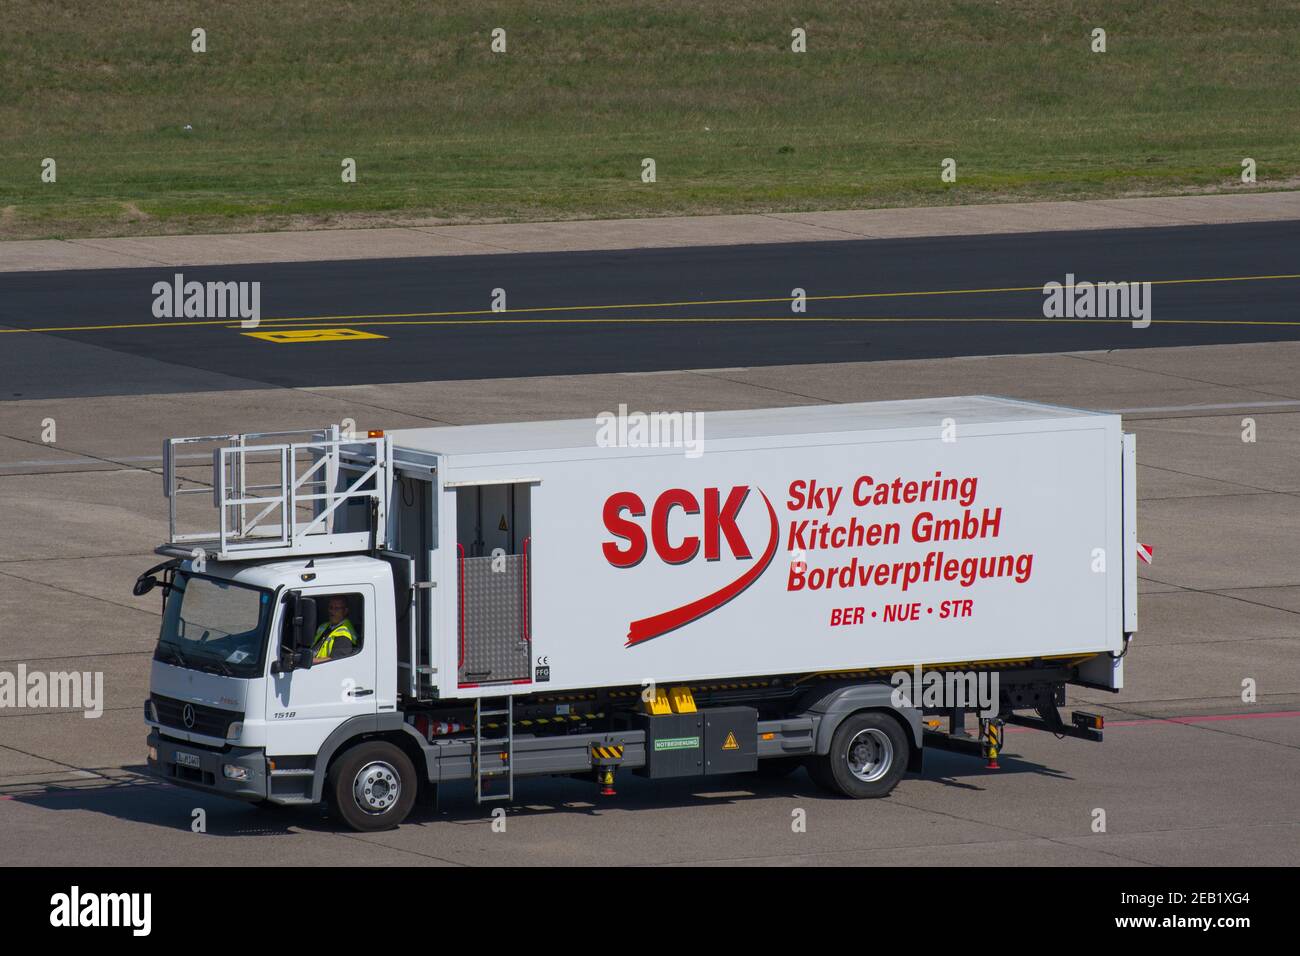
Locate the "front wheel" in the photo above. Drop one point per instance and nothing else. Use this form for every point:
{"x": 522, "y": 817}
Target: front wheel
{"x": 867, "y": 758}
{"x": 372, "y": 786}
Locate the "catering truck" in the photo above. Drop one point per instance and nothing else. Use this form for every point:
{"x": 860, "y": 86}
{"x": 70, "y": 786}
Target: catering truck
{"x": 588, "y": 598}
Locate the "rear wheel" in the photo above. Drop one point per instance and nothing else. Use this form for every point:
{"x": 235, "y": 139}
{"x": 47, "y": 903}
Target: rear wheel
{"x": 372, "y": 786}
{"x": 867, "y": 758}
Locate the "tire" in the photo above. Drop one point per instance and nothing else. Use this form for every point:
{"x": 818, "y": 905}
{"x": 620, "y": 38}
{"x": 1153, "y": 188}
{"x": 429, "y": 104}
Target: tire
{"x": 372, "y": 786}
{"x": 867, "y": 757}
{"x": 774, "y": 768}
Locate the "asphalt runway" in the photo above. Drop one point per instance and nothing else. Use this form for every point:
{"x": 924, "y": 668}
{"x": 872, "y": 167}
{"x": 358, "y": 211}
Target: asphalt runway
{"x": 93, "y": 333}
{"x": 1190, "y": 772}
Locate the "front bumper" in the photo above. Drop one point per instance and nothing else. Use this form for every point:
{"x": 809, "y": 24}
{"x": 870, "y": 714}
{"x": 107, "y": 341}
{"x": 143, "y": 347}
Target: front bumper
{"x": 209, "y": 776}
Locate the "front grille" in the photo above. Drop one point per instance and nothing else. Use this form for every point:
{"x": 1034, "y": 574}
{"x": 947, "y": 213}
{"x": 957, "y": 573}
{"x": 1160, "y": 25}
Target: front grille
{"x": 209, "y": 721}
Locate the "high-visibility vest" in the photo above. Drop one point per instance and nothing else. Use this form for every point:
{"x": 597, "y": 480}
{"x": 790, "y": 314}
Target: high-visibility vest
{"x": 323, "y": 645}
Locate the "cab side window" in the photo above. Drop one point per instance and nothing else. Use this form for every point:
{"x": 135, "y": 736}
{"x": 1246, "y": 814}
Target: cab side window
{"x": 339, "y": 631}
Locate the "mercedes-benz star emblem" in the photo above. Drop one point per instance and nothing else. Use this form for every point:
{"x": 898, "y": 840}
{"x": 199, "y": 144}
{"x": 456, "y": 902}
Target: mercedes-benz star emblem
{"x": 187, "y": 715}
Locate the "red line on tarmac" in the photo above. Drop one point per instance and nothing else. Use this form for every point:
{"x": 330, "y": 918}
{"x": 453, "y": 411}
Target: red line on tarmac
{"x": 1205, "y": 719}
{"x": 1177, "y": 720}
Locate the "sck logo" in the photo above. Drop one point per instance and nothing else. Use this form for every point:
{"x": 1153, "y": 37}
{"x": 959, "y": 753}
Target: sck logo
{"x": 719, "y": 523}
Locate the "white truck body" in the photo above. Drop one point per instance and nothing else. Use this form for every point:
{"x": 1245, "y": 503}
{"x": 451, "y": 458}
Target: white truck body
{"x": 1052, "y": 477}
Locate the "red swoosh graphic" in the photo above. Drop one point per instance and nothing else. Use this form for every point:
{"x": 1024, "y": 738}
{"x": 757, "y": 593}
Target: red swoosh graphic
{"x": 659, "y": 624}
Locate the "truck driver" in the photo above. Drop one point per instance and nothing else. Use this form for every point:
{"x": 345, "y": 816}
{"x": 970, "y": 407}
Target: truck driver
{"x": 336, "y": 637}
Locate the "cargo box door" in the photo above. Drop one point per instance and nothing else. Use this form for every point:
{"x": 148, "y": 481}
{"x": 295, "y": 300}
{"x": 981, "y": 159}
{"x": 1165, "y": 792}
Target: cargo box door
{"x": 493, "y": 558}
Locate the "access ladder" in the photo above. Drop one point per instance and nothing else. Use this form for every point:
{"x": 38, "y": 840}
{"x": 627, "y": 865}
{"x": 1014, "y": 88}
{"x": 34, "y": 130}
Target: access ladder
{"x": 494, "y": 756}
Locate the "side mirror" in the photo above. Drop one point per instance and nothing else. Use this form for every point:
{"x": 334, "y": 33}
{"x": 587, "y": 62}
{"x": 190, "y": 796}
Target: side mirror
{"x": 301, "y": 632}
{"x": 146, "y": 582}
{"x": 304, "y": 622}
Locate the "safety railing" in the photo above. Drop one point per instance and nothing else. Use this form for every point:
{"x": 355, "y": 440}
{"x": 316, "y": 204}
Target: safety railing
{"x": 321, "y": 495}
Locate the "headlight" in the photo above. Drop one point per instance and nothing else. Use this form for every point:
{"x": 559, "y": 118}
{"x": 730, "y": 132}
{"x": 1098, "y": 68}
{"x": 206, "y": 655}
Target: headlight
{"x": 150, "y": 712}
{"x": 235, "y": 731}
{"x": 153, "y": 754}
{"x": 231, "y": 772}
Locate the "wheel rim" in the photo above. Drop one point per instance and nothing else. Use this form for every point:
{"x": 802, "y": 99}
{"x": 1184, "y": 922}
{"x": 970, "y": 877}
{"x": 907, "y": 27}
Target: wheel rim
{"x": 376, "y": 787}
{"x": 870, "y": 755}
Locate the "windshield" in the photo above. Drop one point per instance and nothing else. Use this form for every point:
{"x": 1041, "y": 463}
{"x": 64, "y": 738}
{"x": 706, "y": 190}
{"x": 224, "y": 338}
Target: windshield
{"x": 214, "y": 625}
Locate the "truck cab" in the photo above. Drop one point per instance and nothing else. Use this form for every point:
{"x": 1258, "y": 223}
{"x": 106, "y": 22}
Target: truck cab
{"x": 236, "y": 686}
{"x": 243, "y": 700}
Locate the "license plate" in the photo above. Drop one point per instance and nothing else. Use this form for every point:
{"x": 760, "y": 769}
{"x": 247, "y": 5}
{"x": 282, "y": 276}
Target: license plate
{"x": 188, "y": 760}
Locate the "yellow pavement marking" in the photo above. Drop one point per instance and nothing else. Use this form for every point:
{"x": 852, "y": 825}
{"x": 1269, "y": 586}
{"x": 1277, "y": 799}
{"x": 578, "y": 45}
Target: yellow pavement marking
{"x": 356, "y": 319}
{"x": 288, "y": 336}
{"x": 706, "y": 320}
{"x": 782, "y": 298}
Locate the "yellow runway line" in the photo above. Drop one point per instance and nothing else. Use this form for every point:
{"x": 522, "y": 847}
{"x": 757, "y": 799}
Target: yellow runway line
{"x": 461, "y": 314}
{"x": 705, "y": 320}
